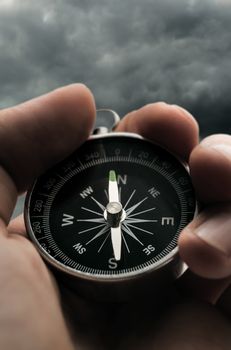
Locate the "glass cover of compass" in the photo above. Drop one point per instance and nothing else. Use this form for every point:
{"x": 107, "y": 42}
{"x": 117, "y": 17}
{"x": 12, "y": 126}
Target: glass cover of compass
{"x": 113, "y": 209}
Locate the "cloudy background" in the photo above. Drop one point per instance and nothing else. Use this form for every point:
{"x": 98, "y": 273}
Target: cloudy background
{"x": 129, "y": 52}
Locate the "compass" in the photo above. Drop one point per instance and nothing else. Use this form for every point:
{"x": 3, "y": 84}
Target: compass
{"x": 107, "y": 218}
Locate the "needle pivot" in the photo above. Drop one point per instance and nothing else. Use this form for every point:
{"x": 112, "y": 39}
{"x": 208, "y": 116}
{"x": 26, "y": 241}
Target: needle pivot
{"x": 114, "y": 213}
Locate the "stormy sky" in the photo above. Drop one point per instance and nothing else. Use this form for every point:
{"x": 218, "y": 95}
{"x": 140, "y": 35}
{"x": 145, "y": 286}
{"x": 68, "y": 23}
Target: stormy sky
{"x": 128, "y": 52}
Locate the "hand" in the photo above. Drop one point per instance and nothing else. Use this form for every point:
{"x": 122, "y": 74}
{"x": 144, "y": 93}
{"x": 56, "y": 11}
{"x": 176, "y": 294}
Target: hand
{"x": 28, "y": 286}
{"x": 33, "y": 136}
{"x": 205, "y": 245}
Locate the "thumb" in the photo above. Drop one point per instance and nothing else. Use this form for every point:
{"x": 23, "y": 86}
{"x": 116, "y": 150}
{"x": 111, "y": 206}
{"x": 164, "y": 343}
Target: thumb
{"x": 205, "y": 244}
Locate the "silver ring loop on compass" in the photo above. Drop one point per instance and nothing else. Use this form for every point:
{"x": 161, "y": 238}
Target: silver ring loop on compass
{"x": 106, "y": 124}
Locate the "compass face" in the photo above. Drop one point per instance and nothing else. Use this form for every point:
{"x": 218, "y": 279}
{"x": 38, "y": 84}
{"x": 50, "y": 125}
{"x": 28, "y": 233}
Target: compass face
{"x": 113, "y": 209}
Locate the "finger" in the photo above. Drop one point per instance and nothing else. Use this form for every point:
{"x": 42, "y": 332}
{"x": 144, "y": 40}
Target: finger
{"x": 209, "y": 290}
{"x": 39, "y": 133}
{"x": 224, "y": 303}
{"x": 192, "y": 325}
{"x": 17, "y": 226}
{"x": 168, "y": 125}
{"x": 210, "y": 165}
{"x": 205, "y": 244}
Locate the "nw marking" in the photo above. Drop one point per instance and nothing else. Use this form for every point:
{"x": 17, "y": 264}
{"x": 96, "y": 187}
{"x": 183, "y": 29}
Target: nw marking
{"x": 85, "y": 193}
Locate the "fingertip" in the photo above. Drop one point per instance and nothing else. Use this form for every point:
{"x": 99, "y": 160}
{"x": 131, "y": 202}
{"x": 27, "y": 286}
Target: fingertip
{"x": 41, "y": 132}
{"x": 203, "y": 259}
{"x": 168, "y": 125}
{"x": 77, "y": 99}
{"x": 210, "y": 168}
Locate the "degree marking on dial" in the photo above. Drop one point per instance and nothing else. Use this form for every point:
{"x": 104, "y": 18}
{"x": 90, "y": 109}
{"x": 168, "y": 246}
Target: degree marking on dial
{"x": 39, "y": 239}
{"x": 104, "y": 154}
{"x": 60, "y": 176}
{"x": 45, "y": 195}
{"x": 186, "y": 190}
{"x": 130, "y": 154}
{"x": 81, "y": 164}
{"x": 174, "y": 172}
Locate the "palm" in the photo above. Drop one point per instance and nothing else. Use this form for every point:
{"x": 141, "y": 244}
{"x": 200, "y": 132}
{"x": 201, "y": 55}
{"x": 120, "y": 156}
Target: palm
{"x": 168, "y": 324}
{"x": 175, "y": 322}
{"x": 33, "y": 137}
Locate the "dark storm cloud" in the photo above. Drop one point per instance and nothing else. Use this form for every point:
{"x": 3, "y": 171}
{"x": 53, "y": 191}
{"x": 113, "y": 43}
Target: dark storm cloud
{"x": 128, "y": 52}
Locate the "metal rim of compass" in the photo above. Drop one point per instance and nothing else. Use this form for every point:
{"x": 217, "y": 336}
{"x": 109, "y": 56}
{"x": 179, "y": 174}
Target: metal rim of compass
{"x": 171, "y": 259}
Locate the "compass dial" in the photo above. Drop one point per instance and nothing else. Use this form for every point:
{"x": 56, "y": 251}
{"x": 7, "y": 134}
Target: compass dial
{"x": 113, "y": 209}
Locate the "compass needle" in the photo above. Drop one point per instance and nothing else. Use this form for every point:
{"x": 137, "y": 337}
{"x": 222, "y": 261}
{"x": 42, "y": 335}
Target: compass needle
{"x": 109, "y": 216}
{"x": 113, "y": 191}
{"x": 114, "y": 213}
{"x": 100, "y": 220}
{"x": 116, "y": 241}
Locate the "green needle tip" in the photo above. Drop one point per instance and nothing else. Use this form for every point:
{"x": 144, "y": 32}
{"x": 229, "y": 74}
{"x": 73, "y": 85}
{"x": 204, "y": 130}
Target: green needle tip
{"x": 112, "y": 175}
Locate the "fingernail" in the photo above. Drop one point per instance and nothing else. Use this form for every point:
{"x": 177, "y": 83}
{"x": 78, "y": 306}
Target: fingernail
{"x": 222, "y": 148}
{"x": 182, "y": 110}
{"x": 216, "y": 232}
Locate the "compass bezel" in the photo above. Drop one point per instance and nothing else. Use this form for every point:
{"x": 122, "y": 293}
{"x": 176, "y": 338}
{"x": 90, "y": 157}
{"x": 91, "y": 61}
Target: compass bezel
{"x": 171, "y": 259}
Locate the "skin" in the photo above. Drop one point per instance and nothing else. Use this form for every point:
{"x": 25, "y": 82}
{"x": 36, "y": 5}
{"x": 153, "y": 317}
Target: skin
{"x": 39, "y": 313}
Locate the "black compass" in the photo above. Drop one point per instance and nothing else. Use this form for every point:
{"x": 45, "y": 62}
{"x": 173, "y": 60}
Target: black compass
{"x": 112, "y": 212}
